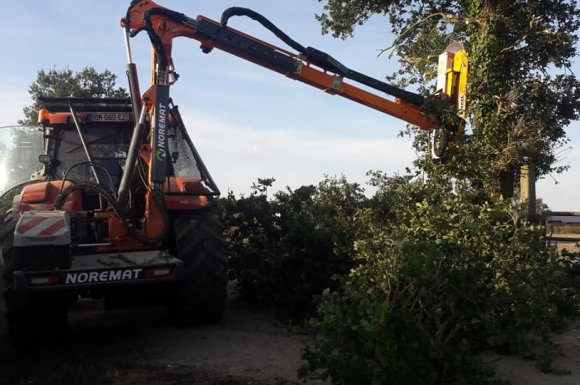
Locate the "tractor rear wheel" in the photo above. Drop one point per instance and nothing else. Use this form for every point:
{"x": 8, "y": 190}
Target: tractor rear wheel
{"x": 200, "y": 298}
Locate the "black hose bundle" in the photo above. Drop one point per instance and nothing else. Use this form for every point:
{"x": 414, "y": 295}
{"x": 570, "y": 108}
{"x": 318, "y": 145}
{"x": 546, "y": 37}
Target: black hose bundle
{"x": 157, "y": 197}
{"x": 322, "y": 59}
{"x": 239, "y": 11}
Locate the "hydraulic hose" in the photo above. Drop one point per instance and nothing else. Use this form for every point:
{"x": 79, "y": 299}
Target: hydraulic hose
{"x": 90, "y": 163}
{"x": 322, "y": 59}
{"x": 239, "y": 11}
{"x": 157, "y": 198}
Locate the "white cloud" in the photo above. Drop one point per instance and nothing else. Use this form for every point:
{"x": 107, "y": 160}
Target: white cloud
{"x": 237, "y": 154}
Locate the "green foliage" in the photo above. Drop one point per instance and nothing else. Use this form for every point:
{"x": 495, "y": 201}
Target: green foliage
{"x": 455, "y": 262}
{"x": 88, "y": 83}
{"x": 441, "y": 277}
{"x": 417, "y": 279}
{"x": 438, "y": 265}
{"x": 284, "y": 251}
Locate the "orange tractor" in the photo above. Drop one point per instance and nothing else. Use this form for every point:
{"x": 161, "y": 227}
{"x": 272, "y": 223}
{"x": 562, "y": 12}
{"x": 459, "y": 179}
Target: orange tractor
{"x": 124, "y": 208}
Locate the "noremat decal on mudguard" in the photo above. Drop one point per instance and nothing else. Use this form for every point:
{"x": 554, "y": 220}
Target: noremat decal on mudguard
{"x": 102, "y": 276}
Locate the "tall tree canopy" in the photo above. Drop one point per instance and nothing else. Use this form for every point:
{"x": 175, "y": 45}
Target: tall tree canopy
{"x": 65, "y": 82}
{"x": 522, "y": 93}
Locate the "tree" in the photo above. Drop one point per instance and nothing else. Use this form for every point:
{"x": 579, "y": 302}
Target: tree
{"x": 87, "y": 83}
{"x": 522, "y": 93}
{"x": 445, "y": 269}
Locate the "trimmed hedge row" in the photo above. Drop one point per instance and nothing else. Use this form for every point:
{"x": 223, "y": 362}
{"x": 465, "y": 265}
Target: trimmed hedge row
{"x": 409, "y": 285}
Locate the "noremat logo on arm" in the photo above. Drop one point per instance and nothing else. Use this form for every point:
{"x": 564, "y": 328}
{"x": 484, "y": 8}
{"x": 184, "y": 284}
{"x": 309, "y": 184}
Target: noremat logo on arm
{"x": 102, "y": 276}
{"x": 161, "y": 132}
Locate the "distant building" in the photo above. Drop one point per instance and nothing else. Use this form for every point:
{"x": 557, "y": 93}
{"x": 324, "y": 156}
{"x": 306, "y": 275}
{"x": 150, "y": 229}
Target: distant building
{"x": 563, "y": 226}
{"x": 572, "y": 219}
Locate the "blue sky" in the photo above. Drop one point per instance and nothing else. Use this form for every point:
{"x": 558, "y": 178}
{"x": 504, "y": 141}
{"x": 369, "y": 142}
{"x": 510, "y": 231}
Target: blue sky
{"x": 246, "y": 121}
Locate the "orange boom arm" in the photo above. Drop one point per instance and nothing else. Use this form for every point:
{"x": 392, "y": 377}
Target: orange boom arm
{"x": 308, "y": 65}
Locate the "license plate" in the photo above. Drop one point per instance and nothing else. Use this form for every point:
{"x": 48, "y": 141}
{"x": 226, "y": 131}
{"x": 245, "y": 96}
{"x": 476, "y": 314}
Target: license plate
{"x": 109, "y": 117}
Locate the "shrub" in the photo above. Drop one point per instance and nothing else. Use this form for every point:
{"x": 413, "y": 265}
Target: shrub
{"x": 284, "y": 251}
{"x": 440, "y": 275}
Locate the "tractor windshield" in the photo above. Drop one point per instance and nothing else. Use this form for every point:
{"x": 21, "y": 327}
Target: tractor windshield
{"x": 19, "y": 150}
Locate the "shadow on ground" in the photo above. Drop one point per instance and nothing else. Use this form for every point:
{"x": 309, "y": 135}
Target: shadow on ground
{"x": 138, "y": 346}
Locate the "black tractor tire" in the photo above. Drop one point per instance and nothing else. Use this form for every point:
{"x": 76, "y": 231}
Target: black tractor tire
{"x": 200, "y": 298}
{"x": 30, "y": 319}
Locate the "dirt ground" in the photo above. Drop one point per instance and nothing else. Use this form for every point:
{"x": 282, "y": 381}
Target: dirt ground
{"x": 566, "y": 365}
{"x": 139, "y": 347}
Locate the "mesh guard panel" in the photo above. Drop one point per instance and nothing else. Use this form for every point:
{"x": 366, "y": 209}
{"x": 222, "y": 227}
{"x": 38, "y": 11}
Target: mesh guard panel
{"x": 185, "y": 160}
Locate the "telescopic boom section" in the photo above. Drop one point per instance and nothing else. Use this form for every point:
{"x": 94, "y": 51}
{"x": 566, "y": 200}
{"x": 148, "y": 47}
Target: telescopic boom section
{"x": 309, "y": 66}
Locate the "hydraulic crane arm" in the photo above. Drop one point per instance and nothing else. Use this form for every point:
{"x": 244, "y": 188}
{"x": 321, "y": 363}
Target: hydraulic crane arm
{"x": 317, "y": 69}
{"x": 309, "y": 65}
{"x": 152, "y": 110}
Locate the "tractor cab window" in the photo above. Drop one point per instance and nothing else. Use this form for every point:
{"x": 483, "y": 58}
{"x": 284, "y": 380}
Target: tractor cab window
{"x": 107, "y": 146}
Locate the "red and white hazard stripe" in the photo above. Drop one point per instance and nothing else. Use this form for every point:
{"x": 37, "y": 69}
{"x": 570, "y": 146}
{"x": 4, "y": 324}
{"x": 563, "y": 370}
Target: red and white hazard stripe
{"x": 42, "y": 226}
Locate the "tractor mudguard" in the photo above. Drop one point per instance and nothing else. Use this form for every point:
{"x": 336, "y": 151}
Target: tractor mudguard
{"x": 41, "y": 196}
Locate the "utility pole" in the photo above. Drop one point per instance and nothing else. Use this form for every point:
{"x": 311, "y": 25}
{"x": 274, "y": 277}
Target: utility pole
{"x": 528, "y": 190}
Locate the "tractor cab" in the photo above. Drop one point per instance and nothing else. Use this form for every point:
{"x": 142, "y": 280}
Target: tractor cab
{"x": 87, "y": 139}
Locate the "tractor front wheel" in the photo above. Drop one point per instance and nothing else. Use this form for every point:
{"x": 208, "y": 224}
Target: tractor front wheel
{"x": 200, "y": 298}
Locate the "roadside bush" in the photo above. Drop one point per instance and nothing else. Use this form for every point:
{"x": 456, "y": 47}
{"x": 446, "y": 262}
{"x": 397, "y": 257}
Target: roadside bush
{"x": 285, "y": 250}
{"x": 439, "y": 276}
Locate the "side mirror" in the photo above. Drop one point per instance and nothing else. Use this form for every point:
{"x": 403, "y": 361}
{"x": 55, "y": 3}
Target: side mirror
{"x": 44, "y": 159}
